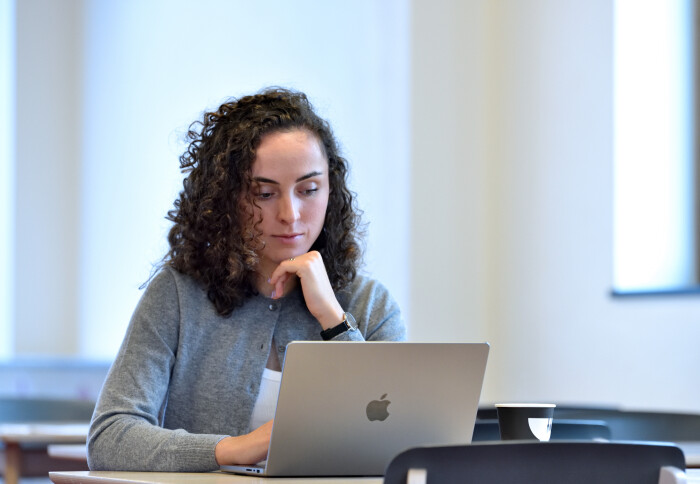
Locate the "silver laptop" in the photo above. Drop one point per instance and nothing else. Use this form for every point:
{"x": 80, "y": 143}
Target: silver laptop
{"x": 347, "y": 408}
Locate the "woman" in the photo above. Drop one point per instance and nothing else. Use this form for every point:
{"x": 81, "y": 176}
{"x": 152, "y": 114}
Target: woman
{"x": 263, "y": 251}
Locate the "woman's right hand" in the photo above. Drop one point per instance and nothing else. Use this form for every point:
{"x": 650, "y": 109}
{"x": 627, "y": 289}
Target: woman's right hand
{"x": 315, "y": 286}
{"x": 245, "y": 449}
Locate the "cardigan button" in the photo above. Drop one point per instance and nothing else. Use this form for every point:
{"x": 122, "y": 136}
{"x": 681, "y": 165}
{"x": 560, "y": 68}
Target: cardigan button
{"x": 273, "y": 306}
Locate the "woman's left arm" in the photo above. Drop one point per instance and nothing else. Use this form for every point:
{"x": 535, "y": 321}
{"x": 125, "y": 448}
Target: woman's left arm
{"x": 377, "y": 315}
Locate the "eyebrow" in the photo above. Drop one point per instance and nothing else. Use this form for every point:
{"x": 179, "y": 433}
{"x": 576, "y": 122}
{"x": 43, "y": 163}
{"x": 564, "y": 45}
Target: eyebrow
{"x": 261, "y": 179}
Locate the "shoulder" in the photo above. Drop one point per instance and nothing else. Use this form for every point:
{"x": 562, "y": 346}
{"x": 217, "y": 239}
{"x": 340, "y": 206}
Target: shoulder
{"x": 170, "y": 281}
{"x": 375, "y": 310}
{"x": 169, "y": 292}
{"x": 170, "y": 300}
{"x": 364, "y": 289}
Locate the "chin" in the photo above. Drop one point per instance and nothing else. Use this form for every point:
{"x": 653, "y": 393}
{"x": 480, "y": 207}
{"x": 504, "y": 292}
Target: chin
{"x": 281, "y": 256}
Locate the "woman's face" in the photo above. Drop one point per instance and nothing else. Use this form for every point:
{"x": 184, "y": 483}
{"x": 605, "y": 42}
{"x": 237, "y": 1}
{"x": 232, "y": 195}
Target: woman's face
{"x": 291, "y": 188}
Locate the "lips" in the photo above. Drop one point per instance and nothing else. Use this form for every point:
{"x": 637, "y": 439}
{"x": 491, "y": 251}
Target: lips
{"x": 288, "y": 238}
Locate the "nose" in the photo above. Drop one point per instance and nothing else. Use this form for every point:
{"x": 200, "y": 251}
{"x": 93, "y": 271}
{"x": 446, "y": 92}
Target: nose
{"x": 288, "y": 209}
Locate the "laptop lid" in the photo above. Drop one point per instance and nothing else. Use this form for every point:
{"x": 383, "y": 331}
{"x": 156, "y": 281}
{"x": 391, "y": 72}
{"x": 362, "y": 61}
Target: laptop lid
{"x": 347, "y": 408}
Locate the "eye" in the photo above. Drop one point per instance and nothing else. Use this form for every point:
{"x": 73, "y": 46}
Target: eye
{"x": 308, "y": 189}
{"x": 262, "y": 192}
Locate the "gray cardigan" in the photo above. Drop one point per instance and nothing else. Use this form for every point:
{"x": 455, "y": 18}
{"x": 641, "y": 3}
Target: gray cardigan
{"x": 186, "y": 377}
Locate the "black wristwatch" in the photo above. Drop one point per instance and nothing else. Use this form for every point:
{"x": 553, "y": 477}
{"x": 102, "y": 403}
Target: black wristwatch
{"x": 346, "y": 324}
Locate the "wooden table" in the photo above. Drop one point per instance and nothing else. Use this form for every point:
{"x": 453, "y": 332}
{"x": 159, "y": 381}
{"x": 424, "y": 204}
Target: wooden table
{"x": 106, "y": 477}
{"x": 90, "y": 477}
{"x": 691, "y": 450}
{"x": 14, "y": 436}
{"x": 78, "y": 452}
{"x": 68, "y": 451}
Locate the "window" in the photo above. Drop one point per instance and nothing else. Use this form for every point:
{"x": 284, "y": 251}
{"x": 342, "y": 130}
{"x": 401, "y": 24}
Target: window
{"x": 655, "y": 245}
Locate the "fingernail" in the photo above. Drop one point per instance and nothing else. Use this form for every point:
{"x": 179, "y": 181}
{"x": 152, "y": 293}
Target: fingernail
{"x": 268, "y": 280}
{"x": 273, "y": 295}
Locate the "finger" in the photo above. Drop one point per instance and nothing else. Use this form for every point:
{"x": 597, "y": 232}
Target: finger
{"x": 279, "y": 287}
{"x": 282, "y": 272}
{"x": 279, "y": 278}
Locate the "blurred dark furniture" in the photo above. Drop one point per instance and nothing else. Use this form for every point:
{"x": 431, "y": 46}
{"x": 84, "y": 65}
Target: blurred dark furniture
{"x": 29, "y": 457}
{"x": 625, "y": 425}
{"x": 47, "y": 410}
{"x": 636, "y": 425}
{"x": 487, "y": 430}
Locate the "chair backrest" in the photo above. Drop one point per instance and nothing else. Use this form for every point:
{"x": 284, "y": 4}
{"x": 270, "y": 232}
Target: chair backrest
{"x": 36, "y": 410}
{"x": 537, "y": 462}
{"x": 487, "y": 430}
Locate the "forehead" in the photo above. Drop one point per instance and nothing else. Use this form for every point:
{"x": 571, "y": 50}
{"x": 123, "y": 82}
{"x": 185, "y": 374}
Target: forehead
{"x": 284, "y": 155}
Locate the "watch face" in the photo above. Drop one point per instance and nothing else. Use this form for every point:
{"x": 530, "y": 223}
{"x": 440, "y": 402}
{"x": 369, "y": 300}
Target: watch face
{"x": 350, "y": 321}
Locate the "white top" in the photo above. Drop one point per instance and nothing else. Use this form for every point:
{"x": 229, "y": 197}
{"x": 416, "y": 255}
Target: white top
{"x": 265, "y": 405}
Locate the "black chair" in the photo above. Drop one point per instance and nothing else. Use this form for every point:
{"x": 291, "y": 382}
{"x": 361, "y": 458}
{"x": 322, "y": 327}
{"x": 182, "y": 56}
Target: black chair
{"x": 539, "y": 462}
{"x": 487, "y": 430}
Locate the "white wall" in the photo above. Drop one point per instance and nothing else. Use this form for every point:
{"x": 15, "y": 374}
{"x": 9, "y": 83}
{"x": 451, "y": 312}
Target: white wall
{"x": 511, "y": 146}
{"x": 539, "y": 169}
{"x": 452, "y": 107}
{"x": 98, "y": 156}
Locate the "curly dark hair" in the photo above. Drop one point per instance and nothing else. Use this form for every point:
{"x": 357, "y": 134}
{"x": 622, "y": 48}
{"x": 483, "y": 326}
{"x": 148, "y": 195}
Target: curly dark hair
{"x": 212, "y": 238}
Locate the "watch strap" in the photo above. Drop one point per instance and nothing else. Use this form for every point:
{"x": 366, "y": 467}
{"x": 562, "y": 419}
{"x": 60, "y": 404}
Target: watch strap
{"x": 346, "y": 324}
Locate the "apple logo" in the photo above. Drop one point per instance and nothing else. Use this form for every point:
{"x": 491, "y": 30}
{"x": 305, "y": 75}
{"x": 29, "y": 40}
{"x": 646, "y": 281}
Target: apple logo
{"x": 377, "y": 409}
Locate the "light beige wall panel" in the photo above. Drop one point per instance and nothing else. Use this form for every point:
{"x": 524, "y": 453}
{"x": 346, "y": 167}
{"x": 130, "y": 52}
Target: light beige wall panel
{"x": 48, "y": 176}
{"x": 450, "y": 116}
